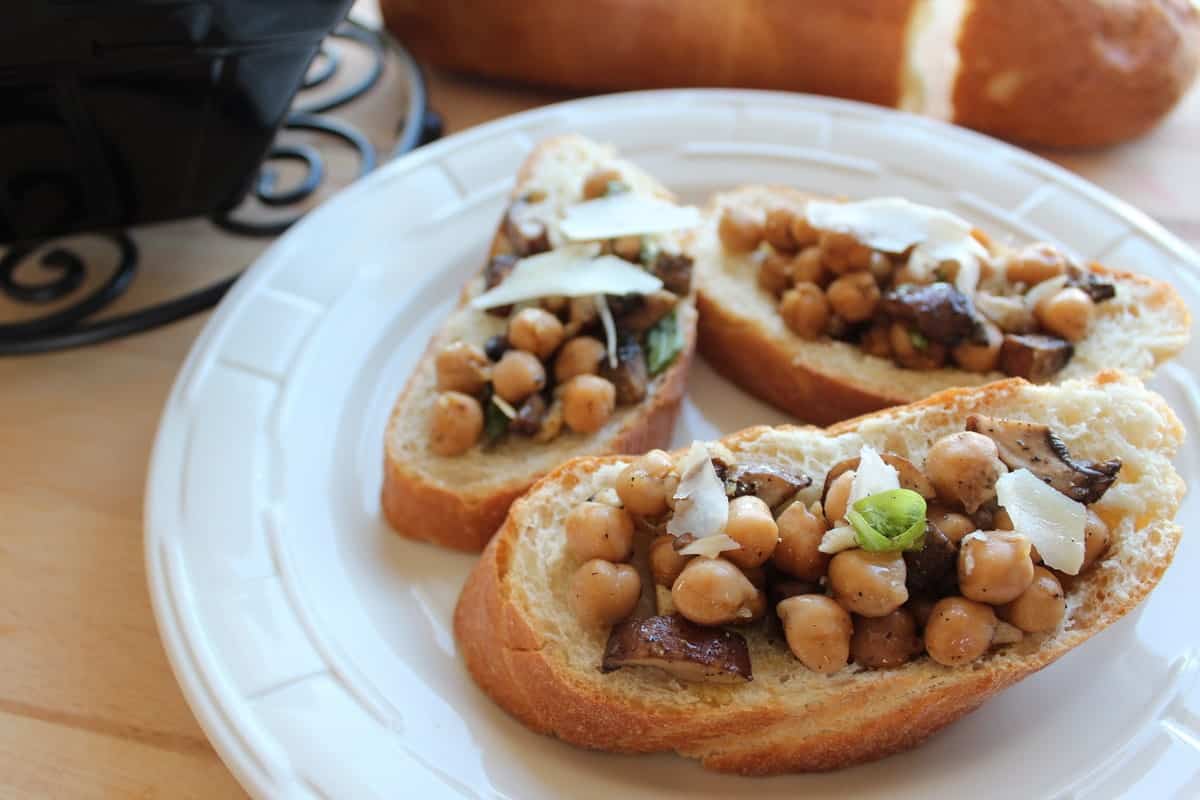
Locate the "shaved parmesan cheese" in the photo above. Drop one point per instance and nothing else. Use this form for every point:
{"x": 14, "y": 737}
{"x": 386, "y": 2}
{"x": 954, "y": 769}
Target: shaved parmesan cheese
{"x": 1043, "y": 290}
{"x": 571, "y": 271}
{"x": 893, "y": 225}
{"x": 838, "y": 539}
{"x": 872, "y": 476}
{"x": 1053, "y": 522}
{"x": 701, "y": 508}
{"x": 625, "y": 214}
{"x": 710, "y": 546}
{"x": 505, "y": 408}
{"x": 610, "y": 329}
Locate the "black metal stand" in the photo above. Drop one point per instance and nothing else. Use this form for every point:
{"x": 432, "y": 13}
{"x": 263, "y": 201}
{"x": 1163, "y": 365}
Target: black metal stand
{"x": 71, "y": 326}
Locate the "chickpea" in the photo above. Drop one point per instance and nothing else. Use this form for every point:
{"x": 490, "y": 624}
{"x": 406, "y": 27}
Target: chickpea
{"x": 983, "y": 357}
{"x": 665, "y": 561}
{"x": 877, "y": 340}
{"x": 964, "y": 467}
{"x": 598, "y": 181}
{"x": 803, "y": 233}
{"x": 818, "y": 631}
{"x": 588, "y": 402}
{"x": 1096, "y": 539}
{"x": 1035, "y": 263}
{"x": 994, "y": 567}
{"x": 579, "y": 356}
{"x": 800, "y": 533}
{"x": 456, "y": 424}
{"x": 646, "y": 485}
{"x": 959, "y": 631}
{"x": 1067, "y": 313}
{"x": 740, "y": 230}
{"x": 954, "y": 525}
{"x": 536, "y": 331}
{"x": 597, "y": 530}
{"x": 1040, "y": 607}
{"x": 843, "y": 253}
{"x": 603, "y": 593}
{"x": 775, "y": 273}
{"x": 1001, "y": 521}
{"x": 755, "y": 608}
{"x": 628, "y": 248}
{"x": 913, "y": 350}
{"x": 462, "y": 367}
{"x": 805, "y": 310}
{"x": 778, "y": 230}
{"x": 712, "y": 591}
{"x": 880, "y": 266}
{"x": 807, "y": 266}
{"x": 885, "y": 641}
{"x": 838, "y": 497}
{"x": 518, "y": 375}
{"x": 752, "y": 526}
{"x": 870, "y": 584}
{"x": 854, "y": 297}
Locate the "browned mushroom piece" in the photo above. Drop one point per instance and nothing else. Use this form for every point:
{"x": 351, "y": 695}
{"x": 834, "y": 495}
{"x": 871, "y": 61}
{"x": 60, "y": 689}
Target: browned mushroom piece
{"x": 1096, "y": 287}
{"x": 770, "y": 484}
{"x": 675, "y": 271}
{"x": 652, "y": 308}
{"x": 525, "y": 228}
{"x": 688, "y": 651}
{"x": 911, "y": 477}
{"x": 528, "y": 420}
{"x": 1034, "y": 356}
{"x": 630, "y": 376}
{"x": 932, "y": 570}
{"x": 938, "y": 310}
{"x": 1033, "y": 446}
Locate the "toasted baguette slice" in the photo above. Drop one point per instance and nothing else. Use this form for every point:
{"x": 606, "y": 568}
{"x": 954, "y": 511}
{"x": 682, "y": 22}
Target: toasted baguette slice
{"x": 744, "y": 337}
{"x": 527, "y": 650}
{"x": 460, "y": 501}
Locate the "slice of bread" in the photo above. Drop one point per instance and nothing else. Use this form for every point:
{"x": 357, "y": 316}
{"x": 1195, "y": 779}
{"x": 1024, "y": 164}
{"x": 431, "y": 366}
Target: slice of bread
{"x": 460, "y": 501}
{"x": 529, "y": 653}
{"x": 822, "y": 381}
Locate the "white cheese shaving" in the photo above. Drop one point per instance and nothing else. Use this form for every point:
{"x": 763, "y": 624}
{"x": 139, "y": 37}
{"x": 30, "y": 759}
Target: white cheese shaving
{"x": 1053, "y": 522}
{"x": 505, "y": 408}
{"x": 625, "y": 214}
{"x": 1043, "y": 290}
{"x": 893, "y": 225}
{"x": 838, "y": 539}
{"x": 608, "y": 497}
{"x": 701, "y": 508}
{"x": 610, "y": 329}
{"x": 570, "y": 271}
{"x": 710, "y": 546}
{"x": 872, "y": 476}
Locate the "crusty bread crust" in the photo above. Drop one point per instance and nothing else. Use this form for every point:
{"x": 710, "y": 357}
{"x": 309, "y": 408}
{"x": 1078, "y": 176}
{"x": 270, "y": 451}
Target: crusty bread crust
{"x": 800, "y": 721}
{"x": 743, "y": 338}
{"x": 421, "y": 496}
{"x": 1127, "y": 65}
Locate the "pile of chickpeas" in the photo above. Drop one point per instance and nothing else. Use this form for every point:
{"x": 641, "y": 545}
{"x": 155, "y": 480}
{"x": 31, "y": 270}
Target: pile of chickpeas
{"x": 829, "y": 284}
{"x": 852, "y": 606}
{"x": 517, "y": 366}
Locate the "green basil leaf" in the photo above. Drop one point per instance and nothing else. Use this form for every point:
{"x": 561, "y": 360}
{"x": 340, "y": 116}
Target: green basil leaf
{"x": 663, "y": 343}
{"x": 889, "y": 521}
{"x": 919, "y": 340}
{"x": 495, "y": 421}
{"x": 649, "y": 251}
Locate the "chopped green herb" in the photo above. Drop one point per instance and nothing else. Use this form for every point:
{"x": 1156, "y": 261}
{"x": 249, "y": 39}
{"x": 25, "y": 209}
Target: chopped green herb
{"x": 495, "y": 421}
{"x": 663, "y": 343}
{"x": 649, "y": 251}
{"x": 919, "y": 340}
{"x": 889, "y": 521}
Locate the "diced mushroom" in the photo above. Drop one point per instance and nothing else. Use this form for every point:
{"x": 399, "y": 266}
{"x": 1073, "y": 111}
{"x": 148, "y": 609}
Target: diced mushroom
{"x": 675, "y": 271}
{"x": 772, "y": 485}
{"x": 630, "y": 376}
{"x": 1034, "y": 356}
{"x": 910, "y": 475}
{"x": 1033, "y": 446}
{"x": 525, "y": 228}
{"x": 528, "y": 421}
{"x": 653, "y": 307}
{"x": 688, "y": 651}
{"x": 932, "y": 570}
{"x": 1096, "y": 287}
{"x": 938, "y": 310}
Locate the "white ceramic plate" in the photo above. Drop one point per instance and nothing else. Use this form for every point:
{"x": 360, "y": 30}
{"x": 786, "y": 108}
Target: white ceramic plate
{"x": 315, "y": 646}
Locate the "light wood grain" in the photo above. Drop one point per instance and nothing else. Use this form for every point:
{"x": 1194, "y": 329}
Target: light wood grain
{"x": 88, "y": 704}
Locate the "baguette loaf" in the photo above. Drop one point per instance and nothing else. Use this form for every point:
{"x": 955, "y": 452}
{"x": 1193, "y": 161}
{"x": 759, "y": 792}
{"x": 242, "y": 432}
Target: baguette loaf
{"x": 821, "y": 381}
{"x": 526, "y": 649}
{"x": 1063, "y": 73}
{"x": 459, "y": 501}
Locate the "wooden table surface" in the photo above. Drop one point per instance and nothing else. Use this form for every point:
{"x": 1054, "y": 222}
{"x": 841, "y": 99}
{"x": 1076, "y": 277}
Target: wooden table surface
{"x": 88, "y": 704}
